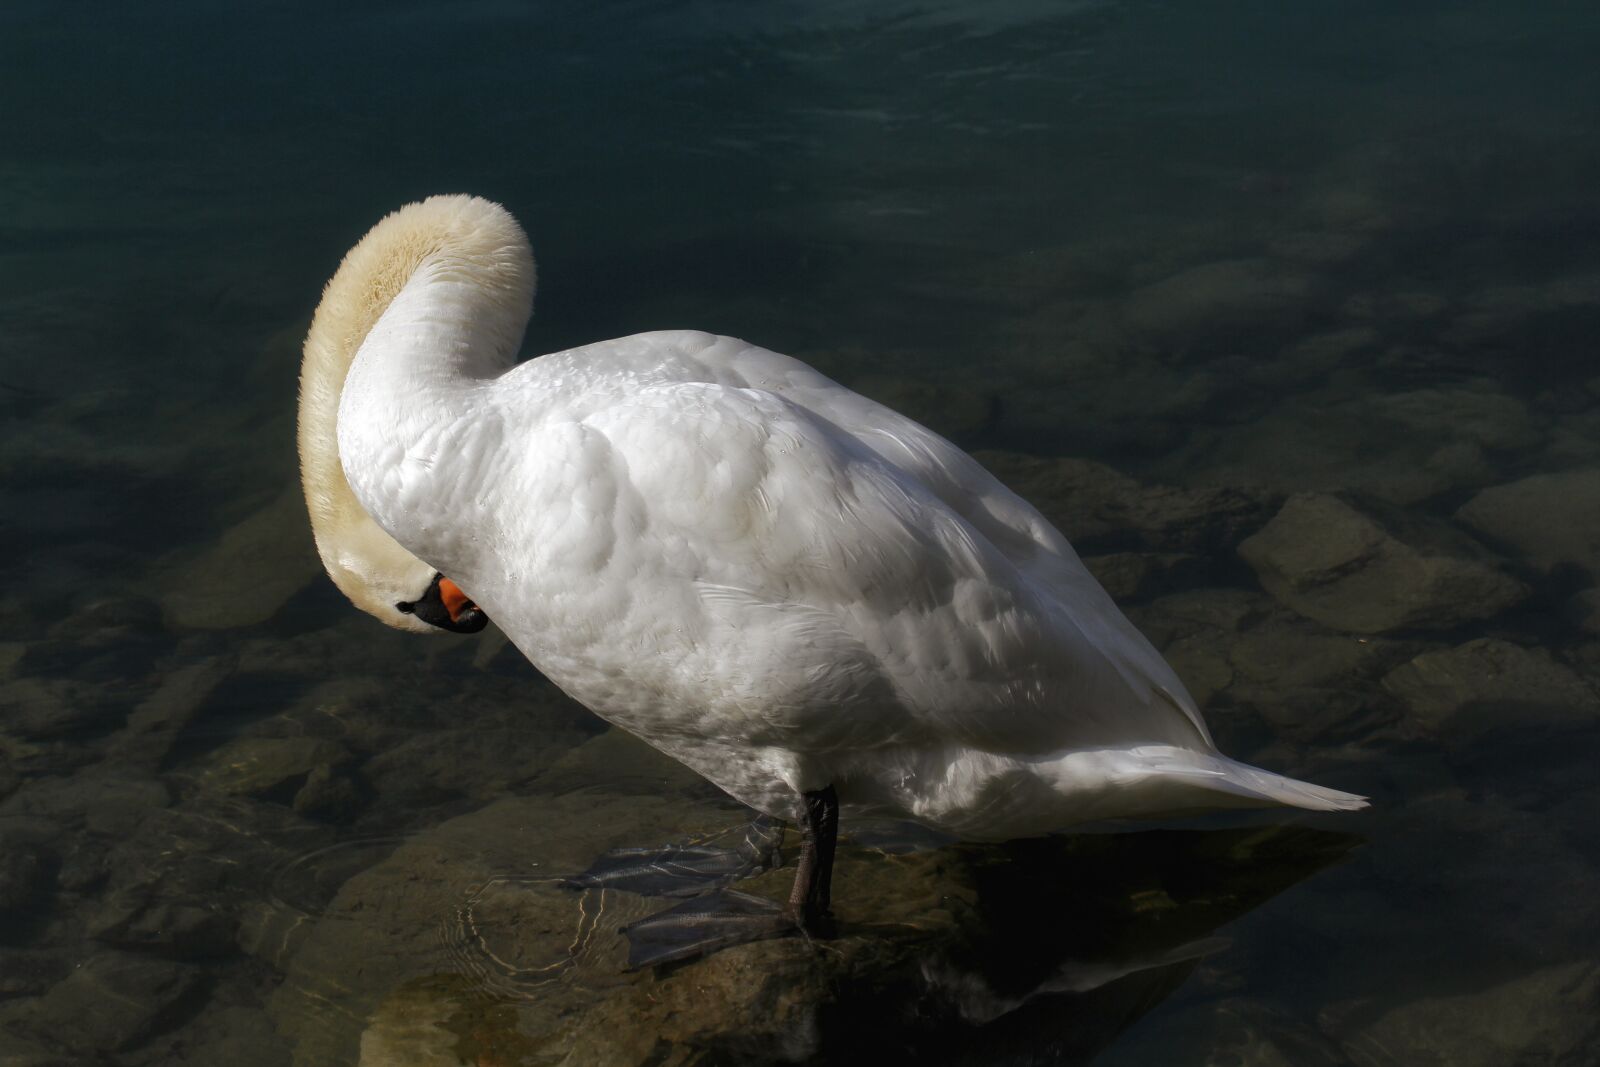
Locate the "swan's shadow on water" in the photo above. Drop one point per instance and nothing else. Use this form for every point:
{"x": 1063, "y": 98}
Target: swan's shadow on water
{"x": 1038, "y": 951}
{"x": 1081, "y": 936}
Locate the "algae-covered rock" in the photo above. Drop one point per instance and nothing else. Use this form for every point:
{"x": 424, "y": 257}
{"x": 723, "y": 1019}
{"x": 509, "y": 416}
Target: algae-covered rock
{"x": 1095, "y": 505}
{"x": 102, "y": 802}
{"x": 261, "y": 766}
{"x": 621, "y": 763}
{"x": 1548, "y": 1016}
{"x": 18, "y": 1051}
{"x": 252, "y": 571}
{"x": 1476, "y": 412}
{"x": 114, "y": 1001}
{"x": 156, "y": 722}
{"x": 1552, "y": 520}
{"x": 1371, "y": 570}
{"x": 27, "y": 876}
{"x": 1583, "y": 609}
{"x": 231, "y": 1036}
{"x": 1307, "y": 682}
{"x": 1400, "y": 447}
{"x": 328, "y": 793}
{"x": 1489, "y": 683}
{"x": 483, "y": 762}
{"x": 180, "y": 930}
{"x": 1218, "y": 298}
{"x": 1136, "y": 575}
{"x": 39, "y": 708}
{"x": 479, "y": 896}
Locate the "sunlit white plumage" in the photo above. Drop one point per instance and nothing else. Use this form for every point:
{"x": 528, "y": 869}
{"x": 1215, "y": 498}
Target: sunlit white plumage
{"x": 777, "y": 581}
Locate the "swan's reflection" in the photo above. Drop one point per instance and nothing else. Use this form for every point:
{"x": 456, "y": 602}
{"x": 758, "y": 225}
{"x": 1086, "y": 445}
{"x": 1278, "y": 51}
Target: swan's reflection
{"x": 1080, "y": 936}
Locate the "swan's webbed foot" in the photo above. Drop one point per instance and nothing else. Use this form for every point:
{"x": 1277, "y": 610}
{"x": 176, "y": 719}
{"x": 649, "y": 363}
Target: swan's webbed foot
{"x": 703, "y": 925}
{"x": 688, "y": 869}
{"x": 726, "y": 917}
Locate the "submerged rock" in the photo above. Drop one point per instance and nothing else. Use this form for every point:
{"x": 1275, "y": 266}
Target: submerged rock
{"x": 1400, "y": 447}
{"x": 12, "y": 655}
{"x": 1552, "y": 520}
{"x": 27, "y": 877}
{"x": 1371, "y": 570}
{"x": 625, "y": 765}
{"x": 39, "y": 708}
{"x": 481, "y": 763}
{"x": 1137, "y": 575}
{"x": 1095, "y": 505}
{"x": 1476, "y": 412}
{"x": 156, "y": 721}
{"x": 1195, "y": 629}
{"x": 264, "y": 766}
{"x": 248, "y": 575}
{"x": 114, "y": 1001}
{"x": 1306, "y": 682}
{"x": 178, "y": 883}
{"x": 328, "y": 793}
{"x": 1220, "y": 298}
{"x": 31, "y": 972}
{"x": 101, "y": 802}
{"x": 231, "y": 1036}
{"x": 16, "y": 1051}
{"x": 1548, "y": 1016}
{"x": 1583, "y": 609}
{"x": 1490, "y": 683}
{"x": 184, "y": 931}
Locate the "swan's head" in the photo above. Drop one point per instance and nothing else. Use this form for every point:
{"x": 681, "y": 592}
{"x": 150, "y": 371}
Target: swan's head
{"x": 389, "y": 583}
{"x": 370, "y": 567}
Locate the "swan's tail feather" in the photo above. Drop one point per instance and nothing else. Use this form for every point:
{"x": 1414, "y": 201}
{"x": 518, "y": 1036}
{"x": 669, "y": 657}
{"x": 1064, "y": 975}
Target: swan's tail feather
{"x": 995, "y": 798}
{"x": 1250, "y": 781}
{"x": 1234, "y": 784}
{"x": 1157, "y": 781}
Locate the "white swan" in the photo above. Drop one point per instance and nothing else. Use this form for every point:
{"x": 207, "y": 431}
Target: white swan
{"x": 804, "y": 596}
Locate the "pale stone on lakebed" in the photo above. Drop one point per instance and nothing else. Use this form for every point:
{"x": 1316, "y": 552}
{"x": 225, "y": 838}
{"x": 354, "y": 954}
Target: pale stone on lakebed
{"x": 1359, "y": 569}
{"x": 1550, "y": 519}
{"x": 1489, "y": 683}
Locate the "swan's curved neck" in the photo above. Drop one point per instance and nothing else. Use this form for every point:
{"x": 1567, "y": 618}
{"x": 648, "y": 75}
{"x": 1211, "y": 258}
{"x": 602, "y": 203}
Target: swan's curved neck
{"x": 435, "y": 296}
{"x": 458, "y": 317}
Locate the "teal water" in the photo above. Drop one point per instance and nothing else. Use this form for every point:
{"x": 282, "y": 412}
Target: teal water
{"x": 1165, "y": 266}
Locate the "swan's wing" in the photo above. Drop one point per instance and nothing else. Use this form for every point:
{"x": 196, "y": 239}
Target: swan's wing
{"x": 1010, "y": 523}
{"x": 789, "y": 516}
{"x": 1029, "y": 541}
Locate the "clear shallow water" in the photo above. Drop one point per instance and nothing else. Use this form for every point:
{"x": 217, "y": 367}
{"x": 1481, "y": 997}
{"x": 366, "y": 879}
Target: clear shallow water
{"x": 1240, "y": 250}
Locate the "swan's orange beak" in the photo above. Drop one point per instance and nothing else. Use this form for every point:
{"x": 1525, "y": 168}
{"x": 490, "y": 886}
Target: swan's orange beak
{"x": 444, "y": 605}
{"x": 456, "y": 602}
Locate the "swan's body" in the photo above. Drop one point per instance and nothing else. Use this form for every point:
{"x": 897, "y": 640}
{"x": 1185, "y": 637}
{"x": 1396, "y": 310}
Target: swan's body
{"x": 773, "y": 579}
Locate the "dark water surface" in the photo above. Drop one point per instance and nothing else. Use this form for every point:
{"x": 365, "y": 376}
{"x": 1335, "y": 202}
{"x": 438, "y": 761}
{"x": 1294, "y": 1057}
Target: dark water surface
{"x": 1288, "y": 314}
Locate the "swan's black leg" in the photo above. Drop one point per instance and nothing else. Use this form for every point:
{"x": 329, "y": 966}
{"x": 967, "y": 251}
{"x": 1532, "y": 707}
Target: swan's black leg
{"x": 812, "y": 894}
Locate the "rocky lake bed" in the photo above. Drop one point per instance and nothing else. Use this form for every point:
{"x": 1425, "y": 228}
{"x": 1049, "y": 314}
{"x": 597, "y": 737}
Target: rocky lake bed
{"x": 229, "y": 835}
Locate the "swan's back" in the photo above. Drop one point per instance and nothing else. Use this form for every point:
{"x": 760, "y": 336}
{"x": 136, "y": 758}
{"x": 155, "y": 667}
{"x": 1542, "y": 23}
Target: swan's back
{"x": 860, "y": 580}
